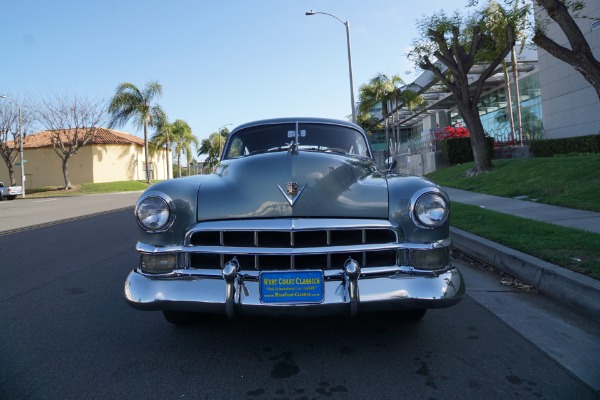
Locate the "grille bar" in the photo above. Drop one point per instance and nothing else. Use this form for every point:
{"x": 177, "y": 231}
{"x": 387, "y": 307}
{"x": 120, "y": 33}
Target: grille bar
{"x": 292, "y": 244}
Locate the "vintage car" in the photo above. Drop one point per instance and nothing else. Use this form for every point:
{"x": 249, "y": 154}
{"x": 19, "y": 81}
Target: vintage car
{"x": 295, "y": 220}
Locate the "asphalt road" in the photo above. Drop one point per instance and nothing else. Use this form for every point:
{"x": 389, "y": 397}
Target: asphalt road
{"x": 66, "y": 333}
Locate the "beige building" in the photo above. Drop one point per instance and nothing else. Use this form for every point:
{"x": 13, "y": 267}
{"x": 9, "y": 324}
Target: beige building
{"x": 111, "y": 156}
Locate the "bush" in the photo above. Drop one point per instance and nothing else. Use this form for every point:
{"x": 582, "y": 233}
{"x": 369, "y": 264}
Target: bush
{"x": 553, "y": 147}
{"x": 459, "y": 151}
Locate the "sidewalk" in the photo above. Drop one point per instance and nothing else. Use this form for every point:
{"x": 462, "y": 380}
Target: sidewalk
{"x": 585, "y": 220}
{"x": 568, "y": 287}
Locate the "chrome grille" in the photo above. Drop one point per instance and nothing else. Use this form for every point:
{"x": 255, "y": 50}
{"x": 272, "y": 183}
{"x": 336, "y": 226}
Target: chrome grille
{"x": 292, "y": 244}
{"x": 291, "y": 239}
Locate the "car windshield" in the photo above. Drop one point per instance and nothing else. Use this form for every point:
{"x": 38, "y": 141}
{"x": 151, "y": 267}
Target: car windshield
{"x": 302, "y": 136}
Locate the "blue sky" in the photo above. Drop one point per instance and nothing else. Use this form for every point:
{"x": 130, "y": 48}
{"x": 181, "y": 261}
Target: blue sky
{"x": 220, "y": 62}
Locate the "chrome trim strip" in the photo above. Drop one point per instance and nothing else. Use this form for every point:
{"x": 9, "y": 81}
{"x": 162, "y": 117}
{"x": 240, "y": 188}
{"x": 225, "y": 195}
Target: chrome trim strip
{"x": 290, "y": 251}
{"x": 331, "y": 274}
{"x": 373, "y": 294}
{"x": 150, "y": 249}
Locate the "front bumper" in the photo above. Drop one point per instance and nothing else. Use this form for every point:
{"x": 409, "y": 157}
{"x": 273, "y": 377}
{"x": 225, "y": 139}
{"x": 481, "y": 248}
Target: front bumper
{"x": 344, "y": 294}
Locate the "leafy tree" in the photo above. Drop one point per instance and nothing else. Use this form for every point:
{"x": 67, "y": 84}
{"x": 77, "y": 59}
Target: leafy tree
{"x": 130, "y": 103}
{"x": 10, "y": 128}
{"x": 379, "y": 91}
{"x": 212, "y": 147}
{"x": 368, "y": 122}
{"x": 162, "y": 137}
{"x": 457, "y": 43}
{"x": 496, "y": 20}
{"x": 73, "y": 122}
{"x": 183, "y": 140}
{"x": 579, "y": 53}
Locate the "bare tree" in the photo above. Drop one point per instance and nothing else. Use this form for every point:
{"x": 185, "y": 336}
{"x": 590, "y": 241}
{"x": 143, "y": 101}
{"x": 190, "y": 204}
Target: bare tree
{"x": 578, "y": 53}
{"x": 449, "y": 46}
{"x": 11, "y": 126}
{"x": 73, "y": 122}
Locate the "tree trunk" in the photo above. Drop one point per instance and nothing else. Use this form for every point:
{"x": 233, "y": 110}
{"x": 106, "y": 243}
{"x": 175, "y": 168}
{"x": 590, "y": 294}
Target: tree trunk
{"x": 509, "y": 112}
{"x": 168, "y": 147}
{"x": 483, "y": 162}
{"x": 179, "y": 165}
{"x": 579, "y": 55}
{"x": 65, "y": 169}
{"x": 11, "y": 175}
{"x": 517, "y": 94}
{"x": 146, "y": 151}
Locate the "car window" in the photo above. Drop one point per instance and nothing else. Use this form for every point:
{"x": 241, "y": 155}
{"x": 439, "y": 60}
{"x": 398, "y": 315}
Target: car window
{"x": 309, "y": 137}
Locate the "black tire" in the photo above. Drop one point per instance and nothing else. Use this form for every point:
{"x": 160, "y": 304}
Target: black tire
{"x": 1, "y": 198}
{"x": 180, "y": 317}
{"x": 11, "y": 197}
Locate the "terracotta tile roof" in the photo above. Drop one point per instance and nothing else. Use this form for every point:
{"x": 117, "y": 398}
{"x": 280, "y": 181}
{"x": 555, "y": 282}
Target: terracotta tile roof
{"x": 103, "y": 136}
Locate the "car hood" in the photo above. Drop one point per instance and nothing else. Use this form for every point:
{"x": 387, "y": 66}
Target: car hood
{"x": 328, "y": 186}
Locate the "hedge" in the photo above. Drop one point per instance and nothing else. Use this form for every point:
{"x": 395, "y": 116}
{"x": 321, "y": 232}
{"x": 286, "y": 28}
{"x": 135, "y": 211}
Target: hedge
{"x": 459, "y": 150}
{"x": 552, "y": 147}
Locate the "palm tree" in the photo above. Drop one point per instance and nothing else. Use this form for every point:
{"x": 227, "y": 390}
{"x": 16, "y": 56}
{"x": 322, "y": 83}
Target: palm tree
{"x": 394, "y": 98}
{"x": 130, "y": 103}
{"x": 162, "y": 137}
{"x": 377, "y": 91}
{"x": 183, "y": 139}
{"x": 368, "y": 122}
{"x": 497, "y": 18}
{"x": 211, "y": 148}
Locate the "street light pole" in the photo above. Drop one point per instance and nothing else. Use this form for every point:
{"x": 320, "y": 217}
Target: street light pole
{"x": 20, "y": 142}
{"x": 220, "y": 141}
{"x": 347, "y": 25}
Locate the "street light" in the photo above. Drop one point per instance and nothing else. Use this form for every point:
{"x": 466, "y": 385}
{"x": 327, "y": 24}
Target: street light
{"x": 220, "y": 142}
{"x": 347, "y": 25}
{"x": 20, "y": 141}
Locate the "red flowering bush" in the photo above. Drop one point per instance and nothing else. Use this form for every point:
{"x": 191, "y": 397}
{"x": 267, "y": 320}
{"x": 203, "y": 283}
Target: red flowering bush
{"x": 451, "y": 132}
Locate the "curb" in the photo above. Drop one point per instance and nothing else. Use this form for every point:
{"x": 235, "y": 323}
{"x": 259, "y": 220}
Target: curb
{"x": 568, "y": 287}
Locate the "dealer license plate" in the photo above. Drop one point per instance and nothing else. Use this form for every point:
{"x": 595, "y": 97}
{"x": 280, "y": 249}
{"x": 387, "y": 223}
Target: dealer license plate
{"x": 291, "y": 287}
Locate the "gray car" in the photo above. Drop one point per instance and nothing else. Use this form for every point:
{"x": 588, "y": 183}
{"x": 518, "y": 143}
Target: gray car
{"x": 295, "y": 220}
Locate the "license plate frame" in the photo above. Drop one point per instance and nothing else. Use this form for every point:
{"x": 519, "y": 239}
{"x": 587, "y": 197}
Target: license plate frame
{"x": 292, "y": 287}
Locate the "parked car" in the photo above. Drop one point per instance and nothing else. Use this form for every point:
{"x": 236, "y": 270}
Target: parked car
{"x": 296, "y": 220}
{"x": 10, "y": 192}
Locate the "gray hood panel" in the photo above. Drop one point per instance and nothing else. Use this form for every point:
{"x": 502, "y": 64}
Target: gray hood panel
{"x": 336, "y": 187}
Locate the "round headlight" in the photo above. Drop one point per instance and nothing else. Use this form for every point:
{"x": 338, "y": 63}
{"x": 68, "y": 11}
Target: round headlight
{"x": 431, "y": 210}
{"x": 153, "y": 213}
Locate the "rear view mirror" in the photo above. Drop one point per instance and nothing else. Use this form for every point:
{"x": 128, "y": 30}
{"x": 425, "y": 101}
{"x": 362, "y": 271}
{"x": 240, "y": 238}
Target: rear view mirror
{"x": 391, "y": 163}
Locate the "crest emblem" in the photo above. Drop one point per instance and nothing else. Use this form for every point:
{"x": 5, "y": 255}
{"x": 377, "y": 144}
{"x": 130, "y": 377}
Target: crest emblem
{"x": 292, "y": 191}
{"x": 292, "y": 188}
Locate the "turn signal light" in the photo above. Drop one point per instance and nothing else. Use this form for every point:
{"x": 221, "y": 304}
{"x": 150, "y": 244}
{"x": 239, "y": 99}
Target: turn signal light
{"x": 429, "y": 260}
{"x": 158, "y": 263}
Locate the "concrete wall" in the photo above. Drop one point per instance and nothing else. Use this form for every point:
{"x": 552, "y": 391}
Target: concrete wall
{"x": 420, "y": 164}
{"x": 569, "y": 103}
{"x": 122, "y": 163}
{"x": 91, "y": 164}
{"x": 44, "y": 168}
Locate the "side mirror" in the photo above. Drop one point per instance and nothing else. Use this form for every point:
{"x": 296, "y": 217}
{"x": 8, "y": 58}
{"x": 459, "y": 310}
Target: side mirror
{"x": 391, "y": 163}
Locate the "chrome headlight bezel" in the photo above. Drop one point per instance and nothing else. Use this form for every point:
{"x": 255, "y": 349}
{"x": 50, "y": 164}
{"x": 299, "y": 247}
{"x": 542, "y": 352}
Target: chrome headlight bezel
{"x": 429, "y": 208}
{"x": 162, "y": 204}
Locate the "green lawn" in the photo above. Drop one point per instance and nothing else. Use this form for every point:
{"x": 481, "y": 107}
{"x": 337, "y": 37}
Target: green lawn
{"x": 88, "y": 188}
{"x": 571, "y": 181}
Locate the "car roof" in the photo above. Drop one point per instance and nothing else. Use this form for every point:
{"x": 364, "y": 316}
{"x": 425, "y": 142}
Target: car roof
{"x": 269, "y": 121}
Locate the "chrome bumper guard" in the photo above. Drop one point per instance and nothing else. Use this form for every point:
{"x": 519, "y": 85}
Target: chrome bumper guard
{"x": 347, "y": 292}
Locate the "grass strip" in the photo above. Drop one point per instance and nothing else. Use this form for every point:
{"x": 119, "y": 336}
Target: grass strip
{"x": 88, "y": 188}
{"x": 567, "y": 181}
{"x": 569, "y": 248}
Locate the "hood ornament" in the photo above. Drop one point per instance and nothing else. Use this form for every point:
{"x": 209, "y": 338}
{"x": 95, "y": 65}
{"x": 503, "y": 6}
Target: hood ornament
{"x": 292, "y": 192}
